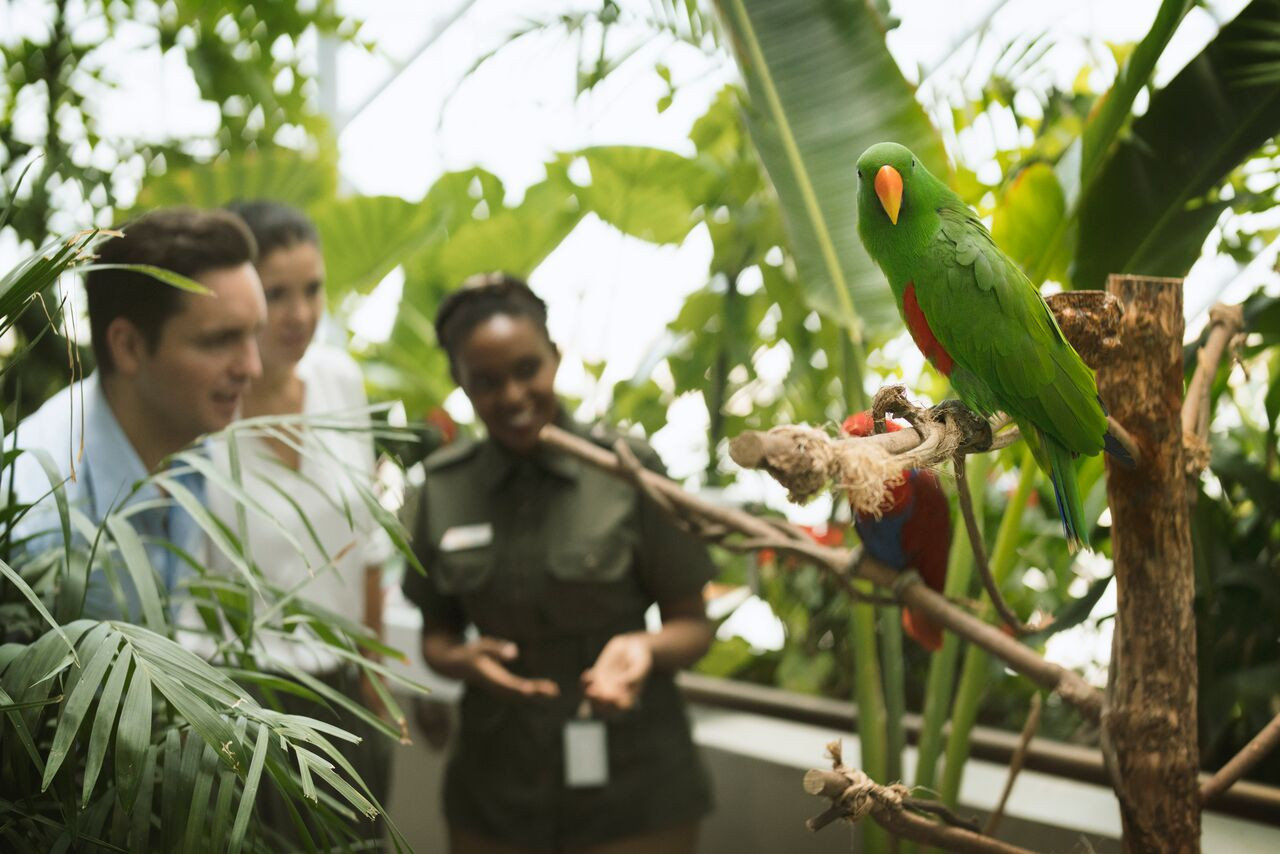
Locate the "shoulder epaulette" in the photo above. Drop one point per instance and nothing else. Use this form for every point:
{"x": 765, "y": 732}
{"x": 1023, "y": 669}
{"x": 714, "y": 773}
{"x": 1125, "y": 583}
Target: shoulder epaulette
{"x": 451, "y": 454}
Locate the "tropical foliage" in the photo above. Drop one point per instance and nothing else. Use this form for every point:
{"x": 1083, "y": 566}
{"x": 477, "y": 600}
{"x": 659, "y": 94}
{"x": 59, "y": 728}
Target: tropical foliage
{"x": 793, "y": 325}
{"x": 118, "y": 735}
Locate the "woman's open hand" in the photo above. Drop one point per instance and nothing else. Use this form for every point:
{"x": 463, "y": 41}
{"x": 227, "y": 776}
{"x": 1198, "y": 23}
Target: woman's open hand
{"x": 483, "y": 662}
{"x": 614, "y": 682}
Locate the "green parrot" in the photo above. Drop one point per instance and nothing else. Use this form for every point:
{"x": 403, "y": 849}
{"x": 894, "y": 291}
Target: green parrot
{"x": 980, "y": 321}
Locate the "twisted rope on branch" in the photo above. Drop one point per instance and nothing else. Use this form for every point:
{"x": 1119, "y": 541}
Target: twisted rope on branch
{"x": 718, "y": 534}
{"x": 806, "y": 460}
{"x": 855, "y": 796}
{"x": 844, "y": 563}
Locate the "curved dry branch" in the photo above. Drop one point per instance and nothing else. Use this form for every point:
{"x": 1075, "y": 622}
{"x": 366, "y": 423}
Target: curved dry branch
{"x": 854, "y": 796}
{"x": 1226, "y": 323}
{"x": 844, "y": 563}
{"x": 1262, "y": 744}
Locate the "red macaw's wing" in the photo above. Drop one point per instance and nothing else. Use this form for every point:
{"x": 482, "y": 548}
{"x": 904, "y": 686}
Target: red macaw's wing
{"x": 913, "y": 532}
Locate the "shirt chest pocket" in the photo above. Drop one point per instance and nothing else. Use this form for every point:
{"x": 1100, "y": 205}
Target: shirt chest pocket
{"x": 593, "y": 586}
{"x": 465, "y": 571}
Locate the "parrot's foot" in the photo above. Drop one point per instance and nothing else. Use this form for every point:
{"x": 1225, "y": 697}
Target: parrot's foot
{"x": 893, "y": 400}
{"x": 975, "y": 429}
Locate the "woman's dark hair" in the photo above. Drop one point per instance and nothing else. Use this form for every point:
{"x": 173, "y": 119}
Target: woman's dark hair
{"x": 480, "y": 298}
{"x": 275, "y": 225}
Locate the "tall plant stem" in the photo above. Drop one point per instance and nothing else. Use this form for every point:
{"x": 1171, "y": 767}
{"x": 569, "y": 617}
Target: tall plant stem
{"x": 942, "y": 666}
{"x": 895, "y": 701}
{"x": 973, "y": 678}
{"x": 872, "y": 730}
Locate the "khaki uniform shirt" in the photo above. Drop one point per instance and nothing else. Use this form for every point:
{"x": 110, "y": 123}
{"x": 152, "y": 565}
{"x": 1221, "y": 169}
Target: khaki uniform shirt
{"x": 557, "y": 556}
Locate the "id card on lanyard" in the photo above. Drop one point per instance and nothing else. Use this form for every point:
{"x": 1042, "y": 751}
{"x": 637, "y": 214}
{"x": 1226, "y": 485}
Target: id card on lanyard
{"x": 586, "y": 751}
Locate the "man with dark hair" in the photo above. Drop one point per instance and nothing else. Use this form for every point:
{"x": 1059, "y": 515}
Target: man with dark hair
{"x": 172, "y": 365}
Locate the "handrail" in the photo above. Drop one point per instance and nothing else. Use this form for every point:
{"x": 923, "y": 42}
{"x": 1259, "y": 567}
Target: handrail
{"x": 1252, "y": 801}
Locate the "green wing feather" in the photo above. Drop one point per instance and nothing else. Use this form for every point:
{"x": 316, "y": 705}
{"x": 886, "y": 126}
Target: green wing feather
{"x": 1009, "y": 352}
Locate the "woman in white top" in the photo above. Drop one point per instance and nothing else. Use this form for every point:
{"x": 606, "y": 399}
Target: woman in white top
{"x": 302, "y": 378}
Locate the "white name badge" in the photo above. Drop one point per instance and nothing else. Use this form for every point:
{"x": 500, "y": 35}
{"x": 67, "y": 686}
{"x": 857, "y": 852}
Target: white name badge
{"x": 586, "y": 754}
{"x": 462, "y": 537}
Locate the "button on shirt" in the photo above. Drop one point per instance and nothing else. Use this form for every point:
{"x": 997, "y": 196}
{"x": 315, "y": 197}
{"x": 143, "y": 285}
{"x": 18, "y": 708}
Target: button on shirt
{"x": 105, "y": 477}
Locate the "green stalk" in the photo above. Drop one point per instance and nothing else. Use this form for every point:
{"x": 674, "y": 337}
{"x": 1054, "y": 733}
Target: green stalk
{"x": 973, "y": 679}
{"x": 895, "y": 699}
{"x": 942, "y": 667}
{"x": 871, "y": 711}
{"x": 895, "y": 695}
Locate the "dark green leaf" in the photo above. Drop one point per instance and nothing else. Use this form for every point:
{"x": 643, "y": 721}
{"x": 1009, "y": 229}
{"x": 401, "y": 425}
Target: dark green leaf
{"x": 104, "y": 721}
{"x": 1141, "y": 214}
{"x": 133, "y": 738}
{"x": 77, "y": 703}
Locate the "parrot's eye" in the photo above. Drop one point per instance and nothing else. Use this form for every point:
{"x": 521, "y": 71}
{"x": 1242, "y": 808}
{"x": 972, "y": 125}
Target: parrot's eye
{"x": 913, "y": 163}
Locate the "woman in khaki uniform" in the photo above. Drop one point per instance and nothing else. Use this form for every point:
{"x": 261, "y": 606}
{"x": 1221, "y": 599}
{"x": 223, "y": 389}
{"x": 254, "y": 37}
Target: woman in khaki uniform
{"x": 573, "y": 735}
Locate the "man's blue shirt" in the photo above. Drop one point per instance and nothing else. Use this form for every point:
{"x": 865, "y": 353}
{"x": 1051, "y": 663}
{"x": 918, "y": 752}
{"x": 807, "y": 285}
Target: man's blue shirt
{"x": 101, "y": 478}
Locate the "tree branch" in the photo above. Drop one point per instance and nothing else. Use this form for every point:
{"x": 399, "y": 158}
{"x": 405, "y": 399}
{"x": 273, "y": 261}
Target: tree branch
{"x": 845, "y": 563}
{"x": 1262, "y": 744}
{"x": 1225, "y": 323}
{"x": 1015, "y": 764}
{"x": 806, "y": 460}
{"x": 854, "y": 796}
{"x": 980, "y": 556}
{"x": 1091, "y": 321}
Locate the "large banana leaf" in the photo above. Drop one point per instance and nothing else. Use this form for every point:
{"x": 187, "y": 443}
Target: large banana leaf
{"x": 366, "y": 237}
{"x": 280, "y": 174}
{"x": 648, "y": 193}
{"x": 823, "y": 87}
{"x": 1145, "y": 211}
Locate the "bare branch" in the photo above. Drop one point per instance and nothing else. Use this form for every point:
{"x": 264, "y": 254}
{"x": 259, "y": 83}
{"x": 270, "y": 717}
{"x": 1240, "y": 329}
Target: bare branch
{"x": 1125, "y": 439}
{"x": 1262, "y": 744}
{"x": 806, "y": 460}
{"x": 1015, "y": 764}
{"x": 1226, "y": 322}
{"x": 854, "y": 796}
{"x": 844, "y": 563}
{"x": 980, "y": 556}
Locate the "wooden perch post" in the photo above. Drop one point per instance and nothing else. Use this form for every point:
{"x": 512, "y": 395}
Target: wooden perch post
{"x": 1149, "y": 721}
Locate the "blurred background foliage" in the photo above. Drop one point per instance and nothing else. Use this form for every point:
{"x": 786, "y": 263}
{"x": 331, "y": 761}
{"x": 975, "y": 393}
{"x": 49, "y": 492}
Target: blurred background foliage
{"x": 1110, "y": 173}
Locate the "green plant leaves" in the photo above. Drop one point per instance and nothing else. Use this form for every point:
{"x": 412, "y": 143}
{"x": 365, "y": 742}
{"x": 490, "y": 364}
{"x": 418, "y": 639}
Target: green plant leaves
{"x": 649, "y": 193}
{"x": 133, "y": 737}
{"x": 275, "y": 173}
{"x": 1146, "y": 213}
{"x": 823, "y": 88}
{"x": 75, "y": 706}
{"x": 366, "y": 237}
{"x": 1032, "y": 206}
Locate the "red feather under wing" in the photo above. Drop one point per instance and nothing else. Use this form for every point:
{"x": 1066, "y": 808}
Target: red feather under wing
{"x": 922, "y": 334}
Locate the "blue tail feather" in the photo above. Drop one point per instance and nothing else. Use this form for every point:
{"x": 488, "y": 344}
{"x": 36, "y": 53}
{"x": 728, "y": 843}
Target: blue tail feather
{"x": 1066, "y": 491}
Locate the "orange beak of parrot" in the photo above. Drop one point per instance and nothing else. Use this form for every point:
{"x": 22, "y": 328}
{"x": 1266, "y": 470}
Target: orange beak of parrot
{"x": 889, "y": 189}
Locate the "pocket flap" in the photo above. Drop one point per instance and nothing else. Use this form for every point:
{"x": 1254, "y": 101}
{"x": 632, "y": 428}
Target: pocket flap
{"x": 463, "y": 571}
